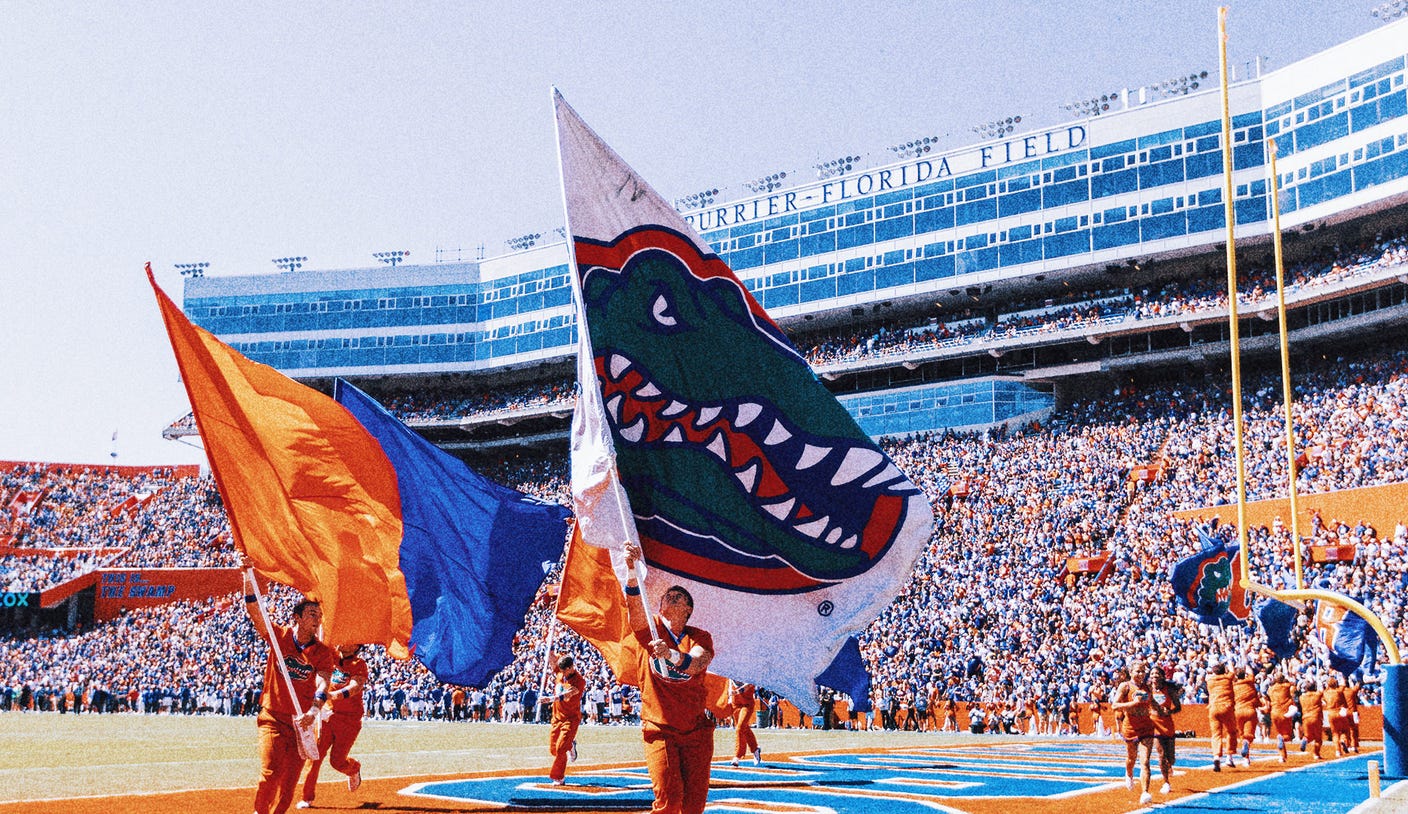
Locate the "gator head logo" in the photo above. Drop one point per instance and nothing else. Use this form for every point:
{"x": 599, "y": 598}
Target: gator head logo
{"x": 742, "y": 470}
{"x": 298, "y": 669}
{"x": 1215, "y": 590}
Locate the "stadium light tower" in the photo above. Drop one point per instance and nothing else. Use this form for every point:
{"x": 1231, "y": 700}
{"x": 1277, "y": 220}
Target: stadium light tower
{"x": 836, "y": 166}
{"x": 1390, "y": 11}
{"x": 915, "y": 148}
{"x": 697, "y": 200}
{"x": 391, "y": 258}
{"x": 1093, "y": 106}
{"x": 192, "y": 269}
{"x": 290, "y": 263}
{"x": 767, "y": 183}
{"x": 523, "y": 242}
{"x": 998, "y": 128}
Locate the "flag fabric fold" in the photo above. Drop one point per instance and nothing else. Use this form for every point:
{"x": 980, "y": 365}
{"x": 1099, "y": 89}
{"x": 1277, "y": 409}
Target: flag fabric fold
{"x": 1278, "y": 622}
{"x": 1349, "y": 639}
{"x": 470, "y": 549}
{"x": 311, "y": 497}
{"x": 702, "y": 432}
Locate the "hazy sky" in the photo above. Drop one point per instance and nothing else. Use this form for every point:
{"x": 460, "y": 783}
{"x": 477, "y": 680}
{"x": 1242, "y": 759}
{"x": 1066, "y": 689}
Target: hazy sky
{"x": 235, "y": 133}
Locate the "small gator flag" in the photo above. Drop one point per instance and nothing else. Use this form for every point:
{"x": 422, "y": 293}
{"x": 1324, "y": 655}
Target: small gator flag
{"x": 702, "y": 432}
{"x": 1206, "y": 583}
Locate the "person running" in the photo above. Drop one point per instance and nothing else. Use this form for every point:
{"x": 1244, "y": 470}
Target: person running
{"x": 309, "y": 663}
{"x": 1222, "y": 716}
{"x": 745, "y": 705}
{"x": 341, "y": 724}
{"x": 1351, "y": 694}
{"x": 1282, "y": 697}
{"x": 1337, "y": 710}
{"x": 1247, "y": 703}
{"x": 1133, "y": 698}
{"x": 678, "y": 733}
{"x": 566, "y": 717}
{"x": 1166, "y": 702}
{"x": 1312, "y": 710}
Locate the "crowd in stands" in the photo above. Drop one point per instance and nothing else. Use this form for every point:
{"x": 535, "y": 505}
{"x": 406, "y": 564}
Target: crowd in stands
{"x": 1181, "y": 297}
{"x": 989, "y": 617}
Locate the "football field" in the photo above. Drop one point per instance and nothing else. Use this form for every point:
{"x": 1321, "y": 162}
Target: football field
{"x": 187, "y": 765}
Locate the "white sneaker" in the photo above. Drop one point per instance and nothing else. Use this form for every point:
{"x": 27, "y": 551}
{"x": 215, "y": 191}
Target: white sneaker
{"x": 1165, "y": 789}
{"x": 354, "y": 780}
{"x": 573, "y": 753}
{"x": 757, "y": 757}
{"x": 1129, "y": 782}
{"x": 1146, "y": 797}
{"x": 733, "y": 763}
{"x": 303, "y": 804}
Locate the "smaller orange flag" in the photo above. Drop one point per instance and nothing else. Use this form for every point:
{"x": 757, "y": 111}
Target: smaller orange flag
{"x": 590, "y": 602}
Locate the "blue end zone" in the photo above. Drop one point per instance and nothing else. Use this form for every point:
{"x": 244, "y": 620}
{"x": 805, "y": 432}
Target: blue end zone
{"x": 913, "y": 780}
{"x": 1334, "y": 787}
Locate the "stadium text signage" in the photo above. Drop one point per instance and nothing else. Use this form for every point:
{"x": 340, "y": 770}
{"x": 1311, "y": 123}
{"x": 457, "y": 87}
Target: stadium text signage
{"x": 890, "y": 179}
{"x": 13, "y": 599}
{"x": 132, "y": 586}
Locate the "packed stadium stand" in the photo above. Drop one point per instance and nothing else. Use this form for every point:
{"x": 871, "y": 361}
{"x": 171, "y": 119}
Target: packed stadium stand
{"x": 1036, "y": 325}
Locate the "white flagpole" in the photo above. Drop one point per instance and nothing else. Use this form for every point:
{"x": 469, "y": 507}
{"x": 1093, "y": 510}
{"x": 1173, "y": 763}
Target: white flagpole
{"x": 309, "y": 754}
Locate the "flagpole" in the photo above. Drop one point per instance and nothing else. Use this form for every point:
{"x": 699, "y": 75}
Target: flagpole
{"x": 1233, "y": 328}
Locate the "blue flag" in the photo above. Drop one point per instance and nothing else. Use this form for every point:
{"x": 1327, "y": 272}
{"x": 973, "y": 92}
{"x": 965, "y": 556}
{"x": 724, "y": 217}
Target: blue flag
{"x": 1350, "y": 640}
{"x": 1278, "y": 620}
{"x": 1206, "y": 584}
{"x": 471, "y": 550}
{"x": 847, "y": 673}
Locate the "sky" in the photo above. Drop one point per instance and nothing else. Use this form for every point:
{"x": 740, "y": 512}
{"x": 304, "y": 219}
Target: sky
{"x": 237, "y": 133}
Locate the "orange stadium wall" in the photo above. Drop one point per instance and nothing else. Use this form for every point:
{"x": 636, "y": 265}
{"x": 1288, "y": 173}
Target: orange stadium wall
{"x": 120, "y": 588}
{"x": 1193, "y": 718}
{"x": 1381, "y": 506}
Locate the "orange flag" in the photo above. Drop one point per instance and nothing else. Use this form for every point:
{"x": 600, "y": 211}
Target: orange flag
{"x": 311, "y": 497}
{"x": 591, "y": 603}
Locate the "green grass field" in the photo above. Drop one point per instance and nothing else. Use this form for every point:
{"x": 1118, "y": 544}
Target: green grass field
{"x": 46, "y": 756}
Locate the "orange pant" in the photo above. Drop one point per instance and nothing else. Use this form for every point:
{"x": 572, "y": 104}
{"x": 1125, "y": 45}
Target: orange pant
{"x": 1223, "y": 723}
{"x": 744, "y": 741}
{"x": 560, "y": 746}
{"x": 279, "y": 764}
{"x": 334, "y": 742}
{"x": 679, "y": 767}
{"x": 1246, "y": 724}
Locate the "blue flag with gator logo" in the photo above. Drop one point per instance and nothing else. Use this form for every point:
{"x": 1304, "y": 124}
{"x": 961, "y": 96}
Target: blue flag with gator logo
{"x": 471, "y": 550}
{"x": 1350, "y": 640}
{"x": 1207, "y": 583}
{"x": 703, "y": 433}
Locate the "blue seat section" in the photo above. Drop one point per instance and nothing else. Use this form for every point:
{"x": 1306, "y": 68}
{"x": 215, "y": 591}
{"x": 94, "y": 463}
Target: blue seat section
{"x": 936, "y": 407}
{"x": 871, "y": 233}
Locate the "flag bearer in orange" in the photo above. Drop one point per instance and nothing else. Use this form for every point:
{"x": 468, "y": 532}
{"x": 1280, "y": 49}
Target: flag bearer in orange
{"x": 745, "y": 704}
{"x": 1337, "y": 710}
{"x": 1247, "y": 704}
{"x": 342, "y": 723}
{"x": 309, "y": 663}
{"x": 1312, "y": 708}
{"x": 1222, "y": 715}
{"x": 1282, "y": 696}
{"x": 678, "y": 734}
{"x": 566, "y": 717}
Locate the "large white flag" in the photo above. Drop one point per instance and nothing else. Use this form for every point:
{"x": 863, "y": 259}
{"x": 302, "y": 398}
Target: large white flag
{"x": 702, "y": 432}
